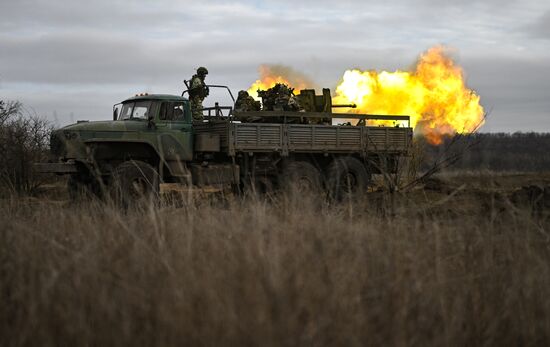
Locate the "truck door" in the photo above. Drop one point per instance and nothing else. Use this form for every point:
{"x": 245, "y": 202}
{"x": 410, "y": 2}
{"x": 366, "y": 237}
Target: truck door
{"x": 174, "y": 130}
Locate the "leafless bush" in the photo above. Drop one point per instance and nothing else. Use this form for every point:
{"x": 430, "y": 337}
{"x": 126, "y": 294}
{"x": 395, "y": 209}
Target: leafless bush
{"x": 452, "y": 150}
{"x": 408, "y": 172}
{"x": 7, "y": 110}
{"x": 24, "y": 139}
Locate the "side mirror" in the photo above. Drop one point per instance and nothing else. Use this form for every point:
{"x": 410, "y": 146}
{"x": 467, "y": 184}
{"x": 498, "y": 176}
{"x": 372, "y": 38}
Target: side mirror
{"x": 115, "y": 114}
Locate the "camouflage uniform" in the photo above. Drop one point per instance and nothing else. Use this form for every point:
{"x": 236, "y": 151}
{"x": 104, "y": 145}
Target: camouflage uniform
{"x": 197, "y": 92}
{"x": 279, "y": 98}
{"x": 294, "y": 105}
{"x": 246, "y": 103}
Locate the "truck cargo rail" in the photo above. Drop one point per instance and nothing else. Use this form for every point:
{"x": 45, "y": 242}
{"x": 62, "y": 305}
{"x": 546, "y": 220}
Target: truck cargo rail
{"x": 239, "y": 115}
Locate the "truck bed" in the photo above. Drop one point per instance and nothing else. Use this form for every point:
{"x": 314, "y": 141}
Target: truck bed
{"x": 307, "y": 138}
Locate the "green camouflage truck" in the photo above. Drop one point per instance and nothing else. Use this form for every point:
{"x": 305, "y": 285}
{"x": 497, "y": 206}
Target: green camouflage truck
{"x": 153, "y": 140}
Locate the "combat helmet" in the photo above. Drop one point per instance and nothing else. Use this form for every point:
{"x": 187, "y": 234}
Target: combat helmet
{"x": 202, "y": 71}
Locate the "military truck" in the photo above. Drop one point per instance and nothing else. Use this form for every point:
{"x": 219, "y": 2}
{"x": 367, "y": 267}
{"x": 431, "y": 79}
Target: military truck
{"x": 153, "y": 140}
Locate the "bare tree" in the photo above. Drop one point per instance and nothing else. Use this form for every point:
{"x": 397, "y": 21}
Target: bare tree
{"x": 7, "y": 110}
{"x": 24, "y": 139}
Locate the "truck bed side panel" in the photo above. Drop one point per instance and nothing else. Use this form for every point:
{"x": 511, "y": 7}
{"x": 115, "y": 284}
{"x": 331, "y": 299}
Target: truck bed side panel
{"x": 258, "y": 136}
{"x": 221, "y": 129}
{"x": 323, "y": 138}
{"x": 387, "y": 139}
{"x": 304, "y": 138}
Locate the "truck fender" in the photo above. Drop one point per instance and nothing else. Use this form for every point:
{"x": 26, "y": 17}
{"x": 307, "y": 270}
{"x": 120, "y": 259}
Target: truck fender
{"x": 159, "y": 157}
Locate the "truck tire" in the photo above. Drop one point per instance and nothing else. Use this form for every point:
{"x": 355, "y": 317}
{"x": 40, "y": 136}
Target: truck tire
{"x": 135, "y": 183}
{"x": 301, "y": 177}
{"x": 347, "y": 177}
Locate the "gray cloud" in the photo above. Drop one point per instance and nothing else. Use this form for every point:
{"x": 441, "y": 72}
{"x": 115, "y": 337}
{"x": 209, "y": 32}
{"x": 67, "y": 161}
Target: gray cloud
{"x": 97, "y": 53}
{"x": 515, "y": 91}
{"x": 541, "y": 28}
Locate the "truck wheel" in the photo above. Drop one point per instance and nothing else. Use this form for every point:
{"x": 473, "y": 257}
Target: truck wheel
{"x": 347, "y": 177}
{"x": 135, "y": 182}
{"x": 301, "y": 177}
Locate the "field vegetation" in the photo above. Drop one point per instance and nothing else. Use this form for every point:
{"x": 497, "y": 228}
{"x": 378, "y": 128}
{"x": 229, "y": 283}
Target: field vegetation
{"x": 444, "y": 265}
{"x": 459, "y": 258}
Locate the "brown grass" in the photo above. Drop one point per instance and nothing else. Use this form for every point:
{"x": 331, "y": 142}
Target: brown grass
{"x": 465, "y": 267}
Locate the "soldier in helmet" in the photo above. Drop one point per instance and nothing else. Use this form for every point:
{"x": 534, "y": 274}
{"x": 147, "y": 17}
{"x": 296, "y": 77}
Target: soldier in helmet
{"x": 246, "y": 103}
{"x": 197, "y": 92}
{"x": 280, "y": 97}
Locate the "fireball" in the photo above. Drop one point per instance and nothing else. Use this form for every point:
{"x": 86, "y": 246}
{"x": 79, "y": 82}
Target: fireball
{"x": 434, "y": 95}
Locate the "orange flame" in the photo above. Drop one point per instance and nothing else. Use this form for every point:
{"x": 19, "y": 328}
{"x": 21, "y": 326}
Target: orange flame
{"x": 273, "y": 74}
{"x": 434, "y": 95}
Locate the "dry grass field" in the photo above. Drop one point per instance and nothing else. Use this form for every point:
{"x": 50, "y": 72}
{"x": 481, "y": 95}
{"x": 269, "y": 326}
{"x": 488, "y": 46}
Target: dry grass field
{"x": 464, "y": 260}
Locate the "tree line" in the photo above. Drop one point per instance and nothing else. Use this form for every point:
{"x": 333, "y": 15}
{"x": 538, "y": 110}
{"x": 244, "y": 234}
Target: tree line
{"x": 524, "y": 152}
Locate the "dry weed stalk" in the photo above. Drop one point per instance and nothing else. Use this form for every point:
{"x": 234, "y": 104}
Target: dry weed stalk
{"x": 285, "y": 272}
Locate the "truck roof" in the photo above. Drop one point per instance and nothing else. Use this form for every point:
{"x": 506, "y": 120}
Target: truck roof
{"x": 156, "y": 97}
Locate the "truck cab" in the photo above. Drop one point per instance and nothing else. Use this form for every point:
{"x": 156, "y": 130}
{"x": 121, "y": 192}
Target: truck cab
{"x": 154, "y": 130}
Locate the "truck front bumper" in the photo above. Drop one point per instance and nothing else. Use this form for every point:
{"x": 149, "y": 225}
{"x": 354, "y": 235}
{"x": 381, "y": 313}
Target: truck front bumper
{"x": 58, "y": 168}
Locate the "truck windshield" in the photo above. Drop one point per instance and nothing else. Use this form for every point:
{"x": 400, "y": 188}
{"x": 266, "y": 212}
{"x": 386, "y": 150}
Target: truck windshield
{"x": 135, "y": 110}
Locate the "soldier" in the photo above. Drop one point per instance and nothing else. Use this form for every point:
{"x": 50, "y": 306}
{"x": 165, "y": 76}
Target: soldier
{"x": 285, "y": 100}
{"x": 294, "y": 104}
{"x": 246, "y": 103}
{"x": 197, "y": 92}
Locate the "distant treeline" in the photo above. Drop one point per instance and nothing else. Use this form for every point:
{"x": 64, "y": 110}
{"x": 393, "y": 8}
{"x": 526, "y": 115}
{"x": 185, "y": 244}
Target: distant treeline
{"x": 496, "y": 152}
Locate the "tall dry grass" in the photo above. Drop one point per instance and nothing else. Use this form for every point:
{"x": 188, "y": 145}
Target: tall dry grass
{"x": 277, "y": 272}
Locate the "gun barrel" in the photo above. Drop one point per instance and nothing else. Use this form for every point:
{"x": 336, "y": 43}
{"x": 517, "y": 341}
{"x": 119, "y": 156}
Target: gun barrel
{"x": 344, "y": 105}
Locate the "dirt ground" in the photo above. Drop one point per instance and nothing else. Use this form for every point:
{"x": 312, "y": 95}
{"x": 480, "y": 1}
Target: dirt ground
{"x": 443, "y": 183}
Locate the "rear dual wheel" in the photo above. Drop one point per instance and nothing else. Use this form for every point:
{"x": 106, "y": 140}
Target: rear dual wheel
{"x": 301, "y": 177}
{"x": 347, "y": 177}
{"x": 297, "y": 177}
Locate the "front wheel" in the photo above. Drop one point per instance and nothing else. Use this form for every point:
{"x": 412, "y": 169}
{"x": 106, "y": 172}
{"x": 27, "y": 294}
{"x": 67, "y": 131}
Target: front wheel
{"x": 135, "y": 182}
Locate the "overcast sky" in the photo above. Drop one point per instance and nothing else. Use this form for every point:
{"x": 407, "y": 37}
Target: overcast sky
{"x": 71, "y": 60}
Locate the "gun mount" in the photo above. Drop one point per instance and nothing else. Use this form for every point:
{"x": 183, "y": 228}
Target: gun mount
{"x": 280, "y": 105}
{"x": 311, "y": 102}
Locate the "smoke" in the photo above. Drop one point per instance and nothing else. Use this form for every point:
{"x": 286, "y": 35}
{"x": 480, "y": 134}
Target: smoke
{"x": 270, "y": 74}
{"x": 295, "y": 78}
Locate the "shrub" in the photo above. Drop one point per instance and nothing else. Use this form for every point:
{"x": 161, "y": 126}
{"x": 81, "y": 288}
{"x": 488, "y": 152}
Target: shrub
{"x": 24, "y": 140}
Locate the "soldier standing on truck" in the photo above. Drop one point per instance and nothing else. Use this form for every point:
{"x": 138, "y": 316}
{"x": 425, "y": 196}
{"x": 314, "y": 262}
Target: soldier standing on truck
{"x": 197, "y": 92}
